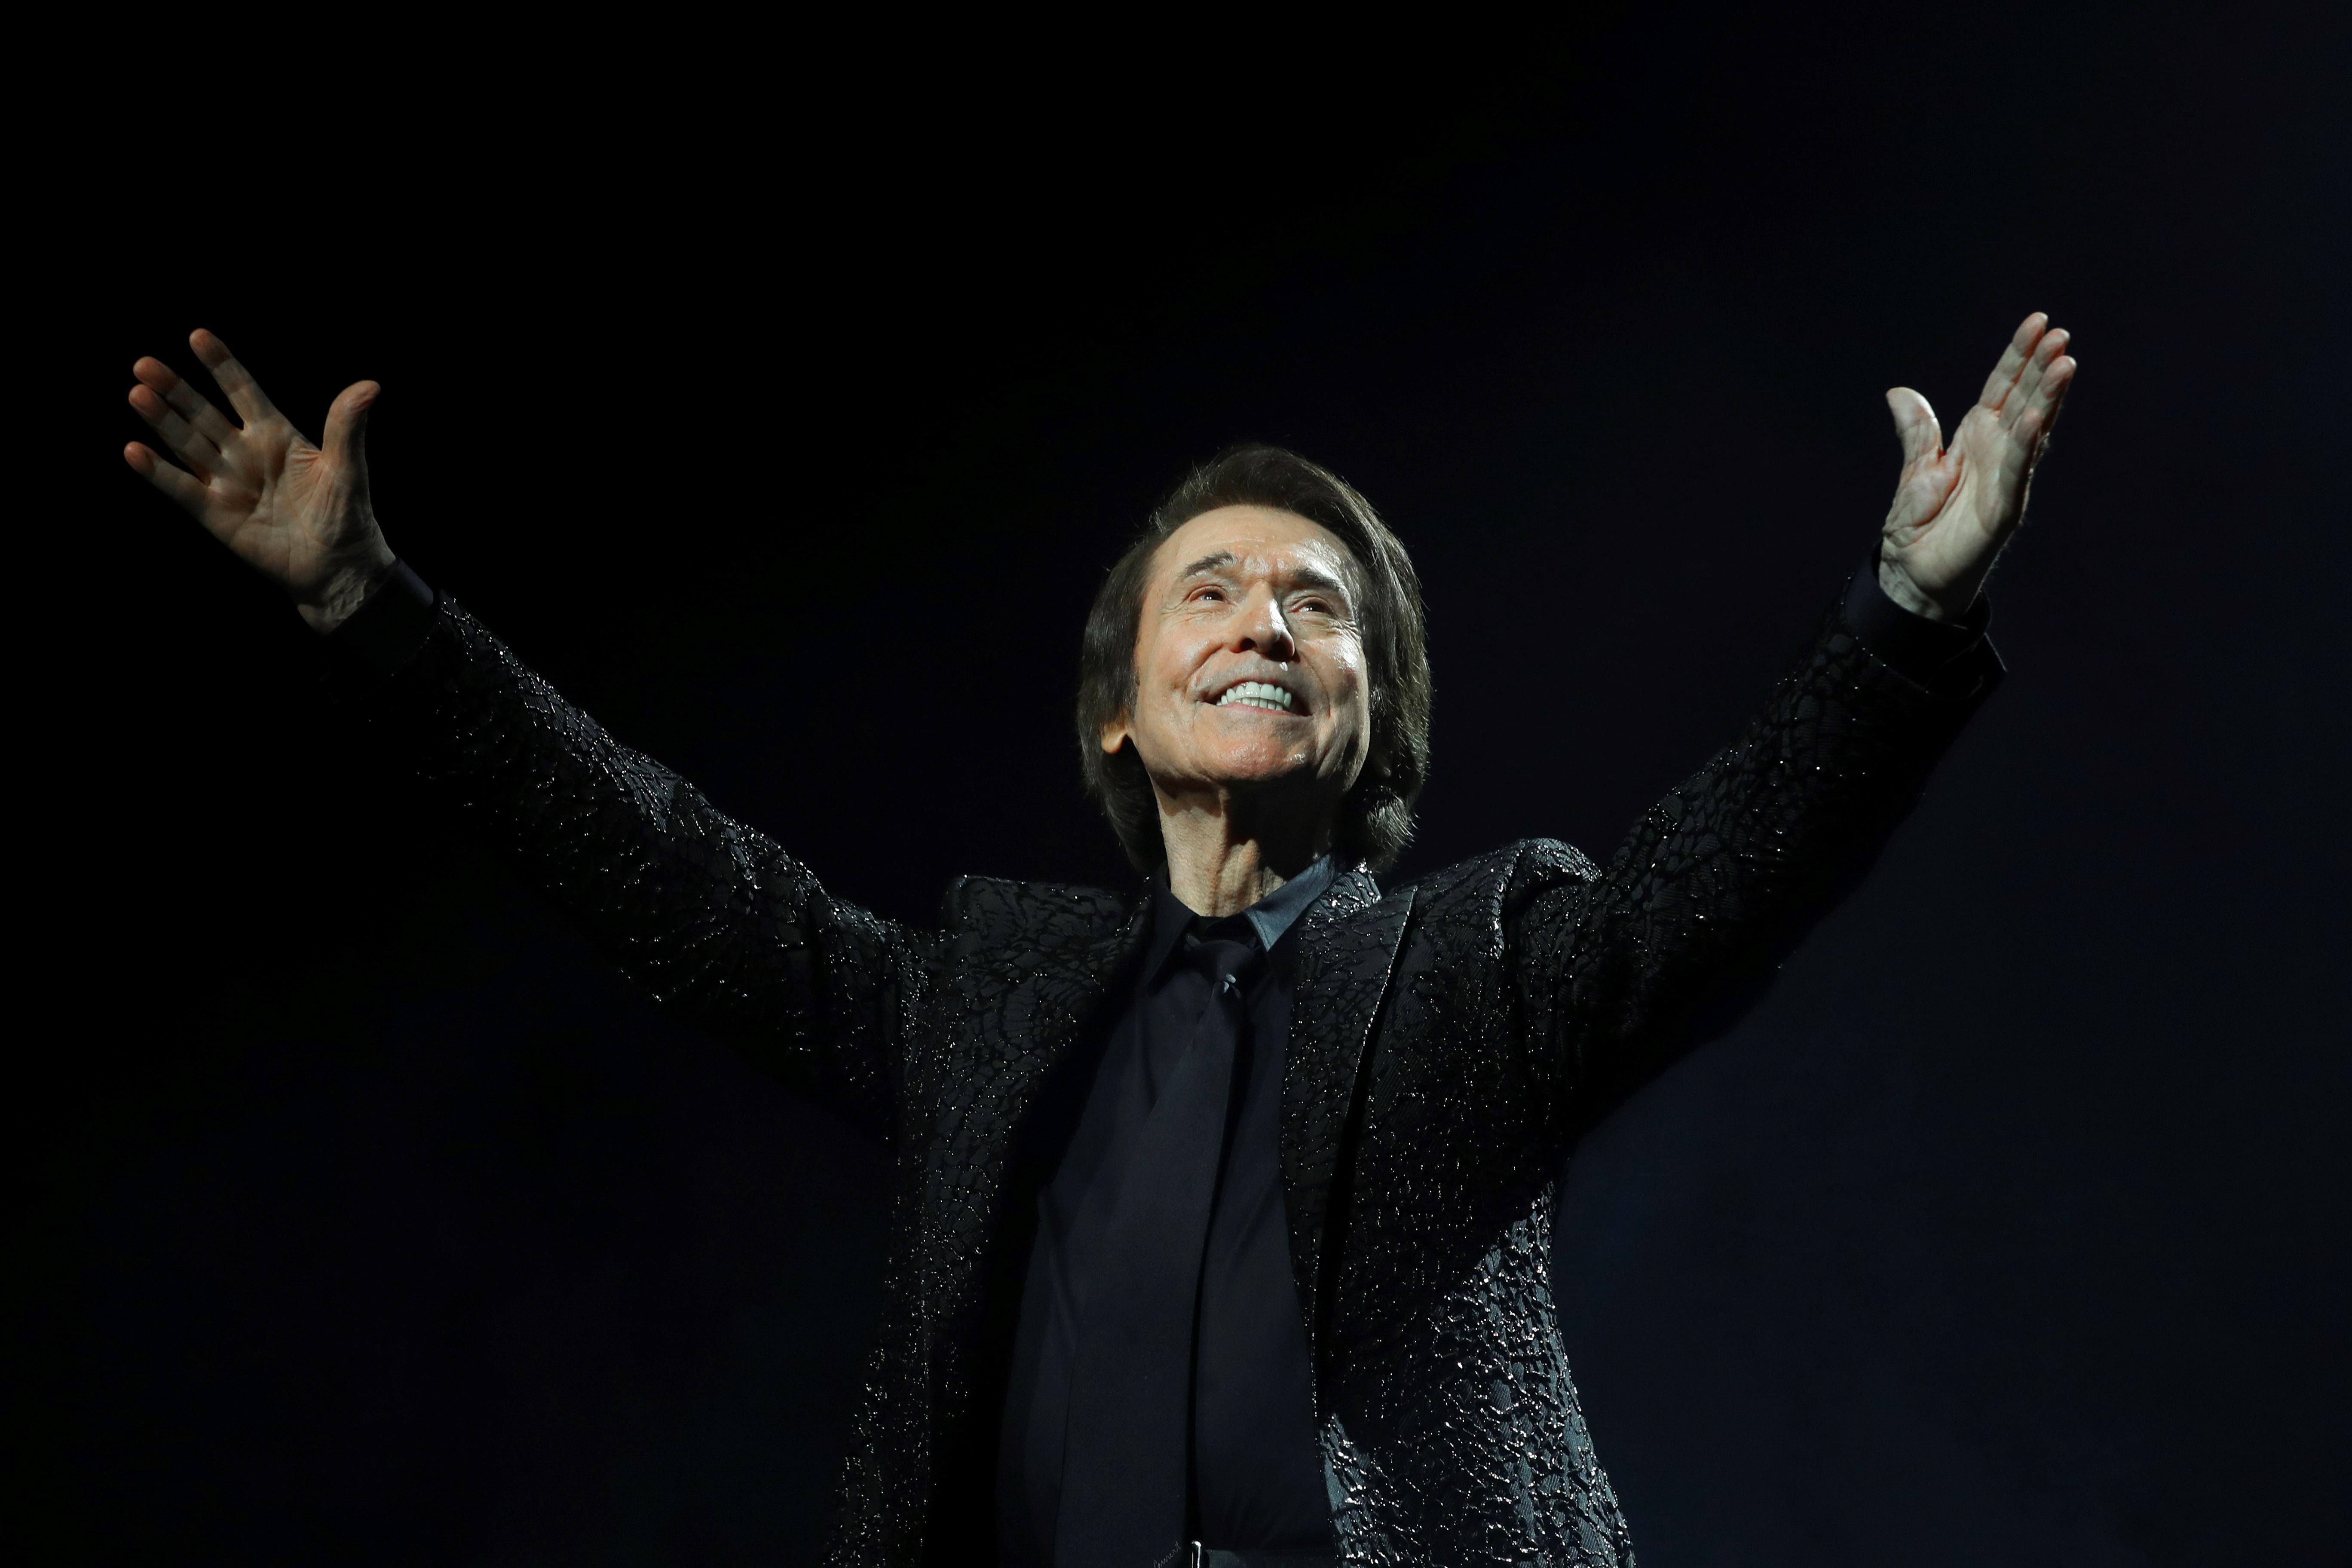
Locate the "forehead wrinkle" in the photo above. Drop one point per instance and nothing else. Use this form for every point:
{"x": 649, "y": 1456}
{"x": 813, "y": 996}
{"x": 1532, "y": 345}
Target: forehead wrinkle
{"x": 1215, "y": 560}
{"x": 1299, "y": 576}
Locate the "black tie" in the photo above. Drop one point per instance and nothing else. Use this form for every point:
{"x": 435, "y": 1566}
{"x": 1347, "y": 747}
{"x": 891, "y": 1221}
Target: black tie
{"x": 1127, "y": 1455}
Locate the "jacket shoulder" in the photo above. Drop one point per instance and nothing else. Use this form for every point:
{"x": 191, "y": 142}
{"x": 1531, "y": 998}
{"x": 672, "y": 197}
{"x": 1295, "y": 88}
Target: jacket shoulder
{"x": 1503, "y": 877}
{"x": 998, "y": 913}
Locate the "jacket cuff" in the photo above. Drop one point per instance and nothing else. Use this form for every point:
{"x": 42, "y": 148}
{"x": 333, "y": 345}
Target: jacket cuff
{"x": 1950, "y": 659}
{"x": 384, "y": 633}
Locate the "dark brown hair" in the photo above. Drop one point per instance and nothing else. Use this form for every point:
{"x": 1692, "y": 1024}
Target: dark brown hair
{"x": 1376, "y": 819}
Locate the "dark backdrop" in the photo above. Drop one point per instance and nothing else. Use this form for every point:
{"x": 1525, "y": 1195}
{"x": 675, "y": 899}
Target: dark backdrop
{"x": 782, "y": 399}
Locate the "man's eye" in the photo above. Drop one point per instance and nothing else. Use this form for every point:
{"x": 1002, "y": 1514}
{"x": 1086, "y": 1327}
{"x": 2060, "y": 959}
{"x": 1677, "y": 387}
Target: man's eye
{"x": 1216, "y": 594}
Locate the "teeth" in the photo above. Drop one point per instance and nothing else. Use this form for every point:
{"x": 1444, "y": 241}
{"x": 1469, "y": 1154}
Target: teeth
{"x": 1259, "y": 693}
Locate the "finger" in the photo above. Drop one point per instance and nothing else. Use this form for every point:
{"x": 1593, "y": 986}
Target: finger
{"x": 2013, "y": 360}
{"x": 1915, "y": 426}
{"x": 177, "y": 483}
{"x": 245, "y": 394}
{"x": 191, "y": 447}
{"x": 2041, "y": 413}
{"x": 2030, "y": 379}
{"x": 192, "y": 406}
{"x": 346, "y": 435}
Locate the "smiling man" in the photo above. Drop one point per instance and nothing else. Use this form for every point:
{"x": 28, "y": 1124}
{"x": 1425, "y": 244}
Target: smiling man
{"x": 1221, "y": 1223}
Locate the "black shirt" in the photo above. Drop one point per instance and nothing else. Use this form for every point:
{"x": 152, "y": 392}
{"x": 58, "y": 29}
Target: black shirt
{"x": 1258, "y": 1467}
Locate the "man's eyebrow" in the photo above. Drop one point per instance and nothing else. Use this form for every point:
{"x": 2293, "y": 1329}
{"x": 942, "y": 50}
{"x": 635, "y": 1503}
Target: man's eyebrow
{"x": 1215, "y": 562}
{"x": 1310, "y": 577}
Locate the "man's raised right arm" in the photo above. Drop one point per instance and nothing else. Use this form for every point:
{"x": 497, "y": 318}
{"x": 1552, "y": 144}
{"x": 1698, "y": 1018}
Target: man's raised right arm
{"x": 718, "y": 921}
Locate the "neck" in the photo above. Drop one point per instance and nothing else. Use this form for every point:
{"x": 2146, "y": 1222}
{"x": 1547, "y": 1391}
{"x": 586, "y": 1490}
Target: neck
{"x": 1220, "y": 864}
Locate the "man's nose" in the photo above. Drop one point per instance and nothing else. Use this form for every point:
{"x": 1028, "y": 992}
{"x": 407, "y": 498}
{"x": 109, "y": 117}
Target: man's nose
{"x": 1264, "y": 629}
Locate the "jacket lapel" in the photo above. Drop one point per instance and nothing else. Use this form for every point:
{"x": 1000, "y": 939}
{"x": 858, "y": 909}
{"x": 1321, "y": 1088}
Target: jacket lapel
{"x": 1050, "y": 964}
{"x": 1347, "y": 947}
{"x": 1070, "y": 990}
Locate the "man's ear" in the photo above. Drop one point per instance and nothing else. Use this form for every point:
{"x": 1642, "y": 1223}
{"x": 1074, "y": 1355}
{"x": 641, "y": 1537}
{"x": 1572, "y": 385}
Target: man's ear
{"x": 1114, "y": 734}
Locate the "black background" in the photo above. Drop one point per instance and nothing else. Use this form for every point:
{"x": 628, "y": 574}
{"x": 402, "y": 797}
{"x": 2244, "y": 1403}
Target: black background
{"x": 784, "y": 397}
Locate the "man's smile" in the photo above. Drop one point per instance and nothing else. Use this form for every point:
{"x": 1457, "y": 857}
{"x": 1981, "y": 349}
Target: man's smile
{"x": 1263, "y": 695}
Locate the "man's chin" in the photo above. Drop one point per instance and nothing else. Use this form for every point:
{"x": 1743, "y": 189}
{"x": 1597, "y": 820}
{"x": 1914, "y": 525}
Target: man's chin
{"x": 1260, "y": 773}
{"x": 1256, "y": 768}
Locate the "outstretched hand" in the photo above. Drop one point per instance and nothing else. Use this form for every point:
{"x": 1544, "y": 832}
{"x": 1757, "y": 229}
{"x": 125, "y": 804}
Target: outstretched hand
{"x": 1956, "y": 506}
{"x": 296, "y": 513}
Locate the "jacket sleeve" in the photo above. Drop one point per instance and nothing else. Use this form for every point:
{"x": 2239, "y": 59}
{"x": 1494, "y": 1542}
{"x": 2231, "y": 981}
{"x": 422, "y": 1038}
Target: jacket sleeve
{"x": 1621, "y": 971}
{"x": 716, "y": 920}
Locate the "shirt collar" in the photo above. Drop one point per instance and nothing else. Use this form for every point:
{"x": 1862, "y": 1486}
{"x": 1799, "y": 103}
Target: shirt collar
{"x": 1279, "y": 910}
{"x": 1271, "y": 917}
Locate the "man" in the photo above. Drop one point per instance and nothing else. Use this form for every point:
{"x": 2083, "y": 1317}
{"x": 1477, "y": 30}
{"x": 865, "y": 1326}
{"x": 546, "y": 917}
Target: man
{"x": 1220, "y": 1225}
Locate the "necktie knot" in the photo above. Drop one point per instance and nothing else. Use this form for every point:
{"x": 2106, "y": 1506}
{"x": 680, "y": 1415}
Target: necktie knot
{"x": 1226, "y": 950}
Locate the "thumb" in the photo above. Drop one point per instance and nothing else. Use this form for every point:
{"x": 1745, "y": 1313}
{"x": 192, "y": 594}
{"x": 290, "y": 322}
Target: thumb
{"x": 1915, "y": 425}
{"x": 346, "y": 442}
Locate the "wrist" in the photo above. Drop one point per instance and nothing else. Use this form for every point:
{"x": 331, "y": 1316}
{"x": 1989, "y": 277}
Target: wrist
{"x": 347, "y": 588}
{"x": 1897, "y": 585}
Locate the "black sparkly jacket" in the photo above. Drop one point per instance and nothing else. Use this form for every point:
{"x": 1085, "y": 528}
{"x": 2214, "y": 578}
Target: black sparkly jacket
{"x": 1449, "y": 1041}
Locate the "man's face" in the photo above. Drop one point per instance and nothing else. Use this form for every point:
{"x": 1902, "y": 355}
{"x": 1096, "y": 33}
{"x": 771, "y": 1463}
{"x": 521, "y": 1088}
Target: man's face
{"x": 1249, "y": 662}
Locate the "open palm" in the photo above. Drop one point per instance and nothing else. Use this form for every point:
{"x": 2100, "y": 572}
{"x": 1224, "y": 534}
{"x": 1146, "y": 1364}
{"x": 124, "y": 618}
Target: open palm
{"x": 1956, "y": 506}
{"x": 298, "y": 513}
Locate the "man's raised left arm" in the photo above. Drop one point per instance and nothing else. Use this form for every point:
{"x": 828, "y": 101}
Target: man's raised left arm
{"x": 1719, "y": 879}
